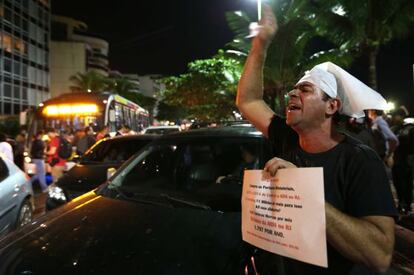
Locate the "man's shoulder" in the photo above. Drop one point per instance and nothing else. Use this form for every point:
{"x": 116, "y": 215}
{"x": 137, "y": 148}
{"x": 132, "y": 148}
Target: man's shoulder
{"x": 357, "y": 150}
{"x": 278, "y": 126}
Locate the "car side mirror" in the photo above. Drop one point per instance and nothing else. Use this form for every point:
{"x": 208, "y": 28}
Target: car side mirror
{"x": 110, "y": 172}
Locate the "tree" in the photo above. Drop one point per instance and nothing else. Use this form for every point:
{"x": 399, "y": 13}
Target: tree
{"x": 288, "y": 55}
{"x": 122, "y": 85}
{"x": 130, "y": 90}
{"x": 361, "y": 27}
{"x": 90, "y": 81}
{"x": 207, "y": 91}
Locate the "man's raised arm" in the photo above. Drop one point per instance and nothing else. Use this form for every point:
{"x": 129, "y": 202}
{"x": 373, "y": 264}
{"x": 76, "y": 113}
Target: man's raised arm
{"x": 250, "y": 90}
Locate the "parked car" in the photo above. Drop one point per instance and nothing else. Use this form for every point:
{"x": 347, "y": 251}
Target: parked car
{"x": 162, "y": 212}
{"x": 91, "y": 168}
{"x": 161, "y": 130}
{"x": 16, "y": 197}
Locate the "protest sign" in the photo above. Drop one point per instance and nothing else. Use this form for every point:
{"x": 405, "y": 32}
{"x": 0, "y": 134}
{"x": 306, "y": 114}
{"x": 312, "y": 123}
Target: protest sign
{"x": 285, "y": 214}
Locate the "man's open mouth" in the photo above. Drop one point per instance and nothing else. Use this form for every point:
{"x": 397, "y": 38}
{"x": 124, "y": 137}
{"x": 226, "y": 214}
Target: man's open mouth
{"x": 293, "y": 107}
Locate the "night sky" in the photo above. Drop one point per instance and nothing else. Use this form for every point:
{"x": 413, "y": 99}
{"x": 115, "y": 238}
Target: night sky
{"x": 161, "y": 37}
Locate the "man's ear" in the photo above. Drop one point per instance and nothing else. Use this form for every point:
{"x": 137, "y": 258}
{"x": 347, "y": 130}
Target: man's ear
{"x": 333, "y": 105}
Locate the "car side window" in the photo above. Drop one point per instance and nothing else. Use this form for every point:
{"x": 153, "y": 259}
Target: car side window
{"x": 4, "y": 171}
{"x": 193, "y": 166}
{"x": 154, "y": 171}
{"x": 114, "y": 151}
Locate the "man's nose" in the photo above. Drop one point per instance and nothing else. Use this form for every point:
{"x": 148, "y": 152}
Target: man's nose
{"x": 293, "y": 93}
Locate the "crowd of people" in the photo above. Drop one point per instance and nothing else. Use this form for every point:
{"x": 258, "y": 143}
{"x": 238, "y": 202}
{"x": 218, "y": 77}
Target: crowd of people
{"x": 50, "y": 149}
{"x": 393, "y": 140}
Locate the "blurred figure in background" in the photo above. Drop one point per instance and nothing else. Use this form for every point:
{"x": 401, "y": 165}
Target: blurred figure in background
{"x": 56, "y": 163}
{"x": 5, "y": 147}
{"x": 104, "y": 133}
{"x": 37, "y": 153}
{"x": 19, "y": 150}
{"x": 379, "y": 123}
{"x": 86, "y": 141}
{"x": 403, "y": 169}
{"x": 358, "y": 128}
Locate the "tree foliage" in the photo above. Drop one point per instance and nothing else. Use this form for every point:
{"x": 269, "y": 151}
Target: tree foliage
{"x": 123, "y": 86}
{"x": 89, "y": 81}
{"x": 361, "y": 27}
{"x": 206, "y": 92}
{"x": 288, "y": 55}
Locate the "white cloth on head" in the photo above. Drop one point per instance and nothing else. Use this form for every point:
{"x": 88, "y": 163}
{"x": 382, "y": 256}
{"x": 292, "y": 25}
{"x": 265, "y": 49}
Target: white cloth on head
{"x": 355, "y": 96}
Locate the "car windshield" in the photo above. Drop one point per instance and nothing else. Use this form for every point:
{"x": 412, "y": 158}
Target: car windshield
{"x": 113, "y": 150}
{"x": 203, "y": 173}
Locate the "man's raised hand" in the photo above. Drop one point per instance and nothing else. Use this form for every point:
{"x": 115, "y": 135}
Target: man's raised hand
{"x": 267, "y": 27}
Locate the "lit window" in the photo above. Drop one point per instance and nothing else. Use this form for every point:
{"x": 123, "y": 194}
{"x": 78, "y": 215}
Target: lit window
{"x": 19, "y": 46}
{"x": 7, "y": 42}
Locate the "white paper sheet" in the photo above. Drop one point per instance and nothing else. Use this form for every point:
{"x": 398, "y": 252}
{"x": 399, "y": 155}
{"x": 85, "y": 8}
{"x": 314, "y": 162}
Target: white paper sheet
{"x": 286, "y": 214}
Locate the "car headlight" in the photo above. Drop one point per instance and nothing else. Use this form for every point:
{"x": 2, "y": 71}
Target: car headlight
{"x": 56, "y": 193}
{"x": 27, "y": 159}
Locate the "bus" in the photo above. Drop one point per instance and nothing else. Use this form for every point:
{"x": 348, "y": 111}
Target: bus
{"x": 78, "y": 110}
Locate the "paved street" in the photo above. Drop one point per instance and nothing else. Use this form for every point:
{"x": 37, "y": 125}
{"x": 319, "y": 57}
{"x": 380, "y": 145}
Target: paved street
{"x": 39, "y": 199}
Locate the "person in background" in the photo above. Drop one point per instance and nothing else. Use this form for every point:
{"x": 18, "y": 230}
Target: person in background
{"x": 359, "y": 129}
{"x": 5, "y": 148}
{"x": 120, "y": 131}
{"x": 56, "y": 163}
{"x": 86, "y": 141}
{"x": 37, "y": 153}
{"x": 19, "y": 150}
{"x": 403, "y": 169}
{"x": 104, "y": 133}
{"x": 249, "y": 161}
{"x": 359, "y": 208}
{"x": 379, "y": 123}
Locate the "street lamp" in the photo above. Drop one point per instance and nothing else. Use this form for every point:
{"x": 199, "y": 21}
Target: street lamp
{"x": 259, "y": 9}
{"x": 390, "y": 106}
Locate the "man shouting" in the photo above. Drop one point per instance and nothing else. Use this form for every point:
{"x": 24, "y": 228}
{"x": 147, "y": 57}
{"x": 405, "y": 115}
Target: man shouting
{"x": 359, "y": 205}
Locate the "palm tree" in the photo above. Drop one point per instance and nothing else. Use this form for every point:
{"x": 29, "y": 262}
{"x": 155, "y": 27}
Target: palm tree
{"x": 130, "y": 90}
{"x": 362, "y": 26}
{"x": 89, "y": 82}
{"x": 123, "y": 86}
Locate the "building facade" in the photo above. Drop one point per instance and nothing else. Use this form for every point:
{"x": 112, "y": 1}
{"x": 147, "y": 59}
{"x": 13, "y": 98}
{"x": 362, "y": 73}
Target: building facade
{"x": 149, "y": 85}
{"x": 73, "y": 51}
{"x": 24, "y": 54}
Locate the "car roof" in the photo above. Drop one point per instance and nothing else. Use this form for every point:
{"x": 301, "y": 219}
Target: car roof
{"x": 163, "y": 127}
{"x": 225, "y": 131}
{"x": 133, "y": 137}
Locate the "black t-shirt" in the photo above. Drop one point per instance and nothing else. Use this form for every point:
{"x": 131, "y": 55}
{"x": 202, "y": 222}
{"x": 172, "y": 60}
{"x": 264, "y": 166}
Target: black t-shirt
{"x": 405, "y": 147}
{"x": 355, "y": 182}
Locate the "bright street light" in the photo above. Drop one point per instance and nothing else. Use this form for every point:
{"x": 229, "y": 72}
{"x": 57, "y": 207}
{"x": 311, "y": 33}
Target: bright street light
{"x": 390, "y": 106}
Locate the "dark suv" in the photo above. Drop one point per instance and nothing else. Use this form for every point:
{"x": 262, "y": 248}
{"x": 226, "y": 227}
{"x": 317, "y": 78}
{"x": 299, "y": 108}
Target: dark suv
{"x": 91, "y": 169}
{"x": 168, "y": 210}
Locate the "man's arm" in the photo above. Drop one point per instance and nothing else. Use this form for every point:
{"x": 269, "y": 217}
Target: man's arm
{"x": 368, "y": 240}
{"x": 389, "y": 136}
{"x": 250, "y": 90}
